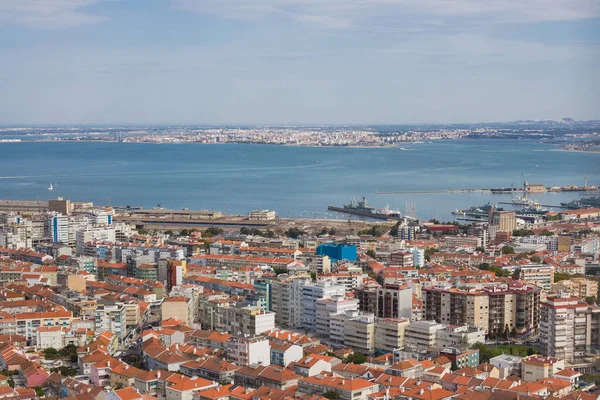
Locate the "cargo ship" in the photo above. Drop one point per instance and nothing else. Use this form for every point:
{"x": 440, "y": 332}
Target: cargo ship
{"x": 574, "y": 205}
{"x": 363, "y": 209}
{"x": 591, "y": 200}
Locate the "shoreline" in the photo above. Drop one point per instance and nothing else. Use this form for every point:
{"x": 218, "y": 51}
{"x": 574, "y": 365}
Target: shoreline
{"x": 400, "y": 146}
{"x": 580, "y": 151}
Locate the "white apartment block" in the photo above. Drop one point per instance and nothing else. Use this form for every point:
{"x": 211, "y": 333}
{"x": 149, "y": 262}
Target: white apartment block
{"x": 452, "y": 336}
{"x": 563, "y": 326}
{"x": 418, "y": 256}
{"x": 551, "y": 242}
{"x": 353, "y": 330}
{"x": 325, "y": 308}
{"x": 539, "y": 275}
{"x": 248, "y": 350}
{"x": 111, "y": 318}
{"x": 93, "y": 234}
{"x": 50, "y": 336}
{"x": 422, "y": 333}
{"x": 249, "y": 320}
{"x": 310, "y": 295}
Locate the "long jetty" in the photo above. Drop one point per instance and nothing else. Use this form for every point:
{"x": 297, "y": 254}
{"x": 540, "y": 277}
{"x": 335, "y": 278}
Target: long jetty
{"x": 552, "y": 189}
{"x": 439, "y": 191}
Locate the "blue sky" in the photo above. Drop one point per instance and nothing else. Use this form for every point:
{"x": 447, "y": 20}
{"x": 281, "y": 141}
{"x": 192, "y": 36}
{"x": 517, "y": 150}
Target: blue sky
{"x": 297, "y": 61}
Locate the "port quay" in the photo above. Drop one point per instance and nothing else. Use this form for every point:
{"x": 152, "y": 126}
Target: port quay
{"x": 528, "y": 189}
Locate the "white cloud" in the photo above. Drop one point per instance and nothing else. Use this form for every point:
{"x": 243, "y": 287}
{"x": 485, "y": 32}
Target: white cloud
{"x": 345, "y": 13}
{"x": 44, "y": 14}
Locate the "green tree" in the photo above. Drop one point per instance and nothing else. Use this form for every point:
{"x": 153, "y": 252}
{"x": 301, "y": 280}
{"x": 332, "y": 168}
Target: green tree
{"x": 484, "y": 353}
{"x": 332, "y": 231}
{"x": 546, "y": 232}
{"x": 371, "y": 253}
{"x": 535, "y": 259}
{"x": 39, "y": 391}
{"x": 522, "y": 232}
{"x": 429, "y": 252}
{"x": 213, "y": 231}
{"x": 65, "y": 371}
{"x": 530, "y": 351}
{"x": 168, "y": 232}
{"x": 559, "y": 276}
{"x": 508, "y": 250}
{"x": 11, "y": 383}
{"x": 331, "y": 395}
{"x": 142, "y": 231}
{"x": 591, "y": 300}
{"x": 270, "y": 234}
{"x": 480, "y": 249}
{"x": 294, "y": 233}
{"x": 279, "y": 271}
{"x": 395, "y": 229}
{"x": 356, "y": 358}
{"x": 50, "y": 353}
{"x": 184, "y": 232}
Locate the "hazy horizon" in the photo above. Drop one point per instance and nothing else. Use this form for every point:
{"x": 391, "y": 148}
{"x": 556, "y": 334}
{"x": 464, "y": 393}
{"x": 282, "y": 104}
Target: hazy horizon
{"x": 297, "y": 62}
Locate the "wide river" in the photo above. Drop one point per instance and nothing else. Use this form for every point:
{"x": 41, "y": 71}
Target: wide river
{"x": 294, "y": 181}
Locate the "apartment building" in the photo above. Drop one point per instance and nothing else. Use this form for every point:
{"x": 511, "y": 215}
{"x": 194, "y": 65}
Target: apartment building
{"x": 453, "y": 242}
{"x": 539, "y": 275}
{"x": 563, "y": 327}
{"x": 248, "y": 350}
{"x": 536, "y": 367}
{"x": 390, "y": 334}
{"x": 492, "y": 308}
{"x": 391, "y": 301}
{"x": 349, "y": 280}
{"x": 507, "y": 365}
{"x": 452, "y": 336}
{"x": 28, "y": 322}
{"x": 592, "y": 328}
{"x": 422, "y": 333}
{"x": 111, "y": 318}
{"x": 294, "y": 300}
{"x": 249, "y": 320}
{"x": 578, "y": 287}
{"x": 178, "y": 307}
{"x": 93, "y": 234}
{"x": 347, "y": 389}
{"x": 311, "y": 294}
{"x": 402, "y": 258}
{"x": 394, "y": 302}
{"x": 551, "y": 242}
{"x": 358, "y": 332}
{"x": 325, "y": 308}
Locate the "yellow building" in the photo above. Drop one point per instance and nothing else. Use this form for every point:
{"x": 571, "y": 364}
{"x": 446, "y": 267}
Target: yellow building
{"x": 177, "y": 307}
{"x": 579, "y": 287}
{"x": 506, "y": 221}
{"x": 564, "y": 243}
{"x": 536, "y": 367}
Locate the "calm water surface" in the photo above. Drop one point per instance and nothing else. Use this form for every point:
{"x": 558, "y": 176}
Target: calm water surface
{"x": 291, "y": 180}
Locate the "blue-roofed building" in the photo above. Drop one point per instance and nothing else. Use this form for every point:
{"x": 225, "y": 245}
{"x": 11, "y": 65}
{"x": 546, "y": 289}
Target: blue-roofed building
{"x": 337, "y": 251}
